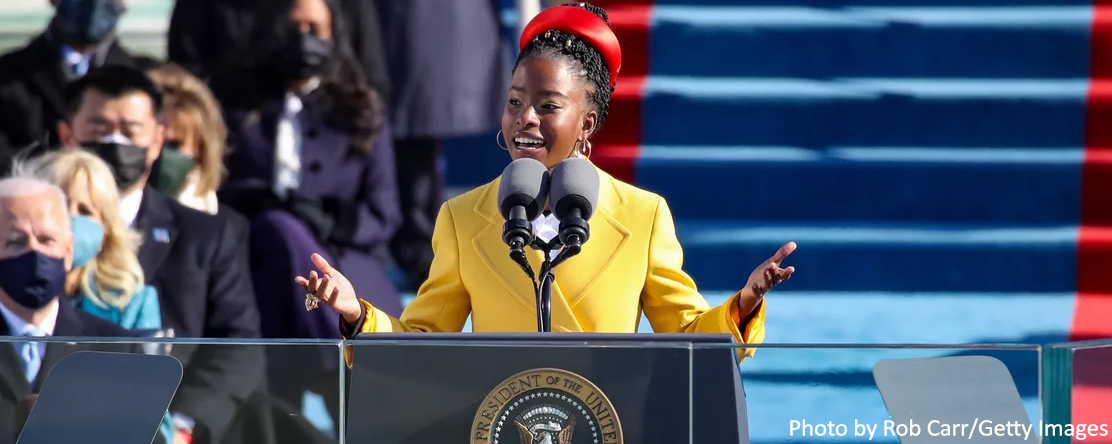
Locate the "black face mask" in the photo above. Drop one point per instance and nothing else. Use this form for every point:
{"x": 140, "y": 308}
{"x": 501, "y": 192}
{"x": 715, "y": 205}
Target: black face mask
{"x": 305, "y": 55}
{"x": 88, "y": 21}
{"x": 32, "y": 279}
{"x": 128, "y": 162}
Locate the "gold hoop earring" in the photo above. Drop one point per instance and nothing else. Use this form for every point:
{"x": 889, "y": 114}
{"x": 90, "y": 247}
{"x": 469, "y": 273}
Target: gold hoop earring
{"x": 585, "y": 149}
{"x": 498, "y": 140}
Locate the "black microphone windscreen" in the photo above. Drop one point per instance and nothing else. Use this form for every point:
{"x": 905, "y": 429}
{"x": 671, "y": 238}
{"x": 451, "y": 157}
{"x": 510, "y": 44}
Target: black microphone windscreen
{"x": 524, "y": 183}
{"x": 575, "y": 184}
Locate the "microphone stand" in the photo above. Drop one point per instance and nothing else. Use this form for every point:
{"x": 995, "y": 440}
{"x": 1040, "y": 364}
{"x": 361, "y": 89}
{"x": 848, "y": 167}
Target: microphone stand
{"x": 543, "y": 289}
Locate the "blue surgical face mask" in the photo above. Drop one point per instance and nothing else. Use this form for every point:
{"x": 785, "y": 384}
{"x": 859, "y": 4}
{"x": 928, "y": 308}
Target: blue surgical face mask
{"x": 88, "y": 237}
{"x": 33, "y": 279}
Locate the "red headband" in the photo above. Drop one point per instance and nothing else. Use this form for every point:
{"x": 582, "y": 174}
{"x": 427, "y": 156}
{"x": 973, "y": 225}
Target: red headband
{"x": 583, "y": 24}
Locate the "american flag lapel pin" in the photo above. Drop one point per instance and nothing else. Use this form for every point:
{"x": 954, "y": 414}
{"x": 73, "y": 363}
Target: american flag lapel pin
{"x": 161, "y": 235}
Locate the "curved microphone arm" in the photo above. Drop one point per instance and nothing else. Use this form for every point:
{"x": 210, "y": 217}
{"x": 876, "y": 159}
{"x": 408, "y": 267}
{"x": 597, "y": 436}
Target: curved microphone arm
{"x": 514, "y": 233}
{"x": 543, "y": 289}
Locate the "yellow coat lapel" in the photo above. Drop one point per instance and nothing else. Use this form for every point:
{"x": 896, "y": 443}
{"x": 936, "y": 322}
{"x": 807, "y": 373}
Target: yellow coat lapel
{"x": 495, "y": 254}
{"x": 607, "y": 239}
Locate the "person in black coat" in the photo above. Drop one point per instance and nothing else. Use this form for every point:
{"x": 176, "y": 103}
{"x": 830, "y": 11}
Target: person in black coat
{"x": 193, "y": 259}
{"x": 33, "y": 263}
{"x": 210, "y": 37}
{"x": 32, "y": 78}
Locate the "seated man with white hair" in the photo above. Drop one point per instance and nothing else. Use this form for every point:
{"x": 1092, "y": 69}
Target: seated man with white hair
{"x": 36, "y": 253}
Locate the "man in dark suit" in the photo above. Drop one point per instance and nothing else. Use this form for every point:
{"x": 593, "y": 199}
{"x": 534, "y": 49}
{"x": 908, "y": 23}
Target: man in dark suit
{"x": 81, "y": 36}
{"x": 192, "y": 258}
{"x": 33, "y": 263}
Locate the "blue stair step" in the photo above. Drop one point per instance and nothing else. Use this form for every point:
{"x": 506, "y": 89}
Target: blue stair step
{"x": 821, "y": 43}
{"x": 864, "y": 112}
{"x": 846, "y": 185}
{"x": 886, "y": 258}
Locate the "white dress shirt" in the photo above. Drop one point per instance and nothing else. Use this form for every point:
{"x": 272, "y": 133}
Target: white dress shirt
{"x": 288, "y": 142}
{"x": 547, "y": 228}
{"x": 129, "y": 206}
{"x": 77, "y": 62}
{"x": 19, "y": 327}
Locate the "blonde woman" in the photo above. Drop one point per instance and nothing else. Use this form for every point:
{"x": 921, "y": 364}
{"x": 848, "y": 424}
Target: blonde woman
{"x": 192, "y": 163}
{"x": 106, "y": 279}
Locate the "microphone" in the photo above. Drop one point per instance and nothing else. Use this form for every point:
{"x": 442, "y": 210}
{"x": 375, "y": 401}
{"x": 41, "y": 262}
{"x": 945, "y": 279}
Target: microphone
{"x": 574, "y": 195}
{"x": 521, "y": 196}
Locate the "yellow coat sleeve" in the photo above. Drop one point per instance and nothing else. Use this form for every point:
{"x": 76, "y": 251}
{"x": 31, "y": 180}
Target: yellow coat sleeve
{"x": 442, "y": 303}
{"x": 672, "y": 302}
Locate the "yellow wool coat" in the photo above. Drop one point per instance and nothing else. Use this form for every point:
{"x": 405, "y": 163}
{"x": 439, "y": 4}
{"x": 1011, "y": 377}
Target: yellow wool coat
{"x": 632, "y": 263}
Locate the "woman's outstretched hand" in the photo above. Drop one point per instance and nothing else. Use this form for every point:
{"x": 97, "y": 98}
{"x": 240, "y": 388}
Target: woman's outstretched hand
{"x": 764, "y": 278}
{"x": 331, "y": 288}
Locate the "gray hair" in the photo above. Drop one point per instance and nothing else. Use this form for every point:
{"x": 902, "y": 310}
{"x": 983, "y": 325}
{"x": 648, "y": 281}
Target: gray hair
{"x": 25, "y": 181}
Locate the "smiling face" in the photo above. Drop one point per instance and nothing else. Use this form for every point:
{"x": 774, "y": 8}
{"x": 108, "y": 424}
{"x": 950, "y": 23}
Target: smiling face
{"x": 548, "y": 111}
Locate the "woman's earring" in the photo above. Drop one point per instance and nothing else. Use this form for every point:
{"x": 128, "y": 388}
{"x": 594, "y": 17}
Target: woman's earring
{"x": 498, "y": 140}
{"x": 585, "y": 149}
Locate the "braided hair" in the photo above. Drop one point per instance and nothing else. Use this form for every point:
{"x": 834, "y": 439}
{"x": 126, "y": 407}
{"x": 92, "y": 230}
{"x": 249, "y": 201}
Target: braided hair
{"x": 554, "y": 44}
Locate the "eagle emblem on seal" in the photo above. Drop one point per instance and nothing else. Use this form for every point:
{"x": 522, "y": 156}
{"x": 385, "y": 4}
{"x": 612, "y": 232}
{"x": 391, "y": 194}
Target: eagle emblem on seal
{"x": 545, "y": 424}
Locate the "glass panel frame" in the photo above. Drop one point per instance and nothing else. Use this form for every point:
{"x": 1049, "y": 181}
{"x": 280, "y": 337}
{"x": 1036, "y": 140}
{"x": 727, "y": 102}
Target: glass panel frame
{"x": 1054, "y": 368}
{"x": 318, "y": 408}
{"x": 775, "y": 385}
{"x": 1071, "y": 369}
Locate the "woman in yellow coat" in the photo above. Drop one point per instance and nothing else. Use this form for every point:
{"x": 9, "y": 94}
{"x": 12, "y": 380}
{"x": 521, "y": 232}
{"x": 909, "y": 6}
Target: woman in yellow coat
{"x": 633, "y": 263}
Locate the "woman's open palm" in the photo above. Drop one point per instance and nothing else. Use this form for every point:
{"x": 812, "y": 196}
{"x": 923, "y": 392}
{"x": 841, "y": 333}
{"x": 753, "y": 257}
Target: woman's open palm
{"x": 331, "y": 287}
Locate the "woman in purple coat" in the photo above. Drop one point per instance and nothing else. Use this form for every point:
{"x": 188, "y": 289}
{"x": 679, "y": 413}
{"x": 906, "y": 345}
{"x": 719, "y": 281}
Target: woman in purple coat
{"x": 312, "y": 164}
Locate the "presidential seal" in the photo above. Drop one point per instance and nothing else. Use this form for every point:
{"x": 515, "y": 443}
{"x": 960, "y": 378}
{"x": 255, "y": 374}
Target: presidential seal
{"x": 546, "y": 406}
